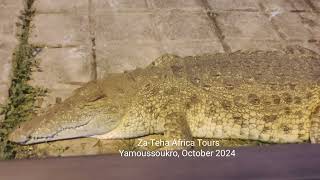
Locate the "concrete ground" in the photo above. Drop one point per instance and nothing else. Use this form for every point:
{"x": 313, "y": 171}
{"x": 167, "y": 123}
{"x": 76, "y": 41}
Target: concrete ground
{"x": 83, "y": 40}
{"x": 9, "y": 12}
{"x": 86, "y": 39}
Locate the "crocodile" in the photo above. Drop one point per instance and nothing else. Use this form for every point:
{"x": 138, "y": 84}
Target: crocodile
{"x": 270, "y": 96}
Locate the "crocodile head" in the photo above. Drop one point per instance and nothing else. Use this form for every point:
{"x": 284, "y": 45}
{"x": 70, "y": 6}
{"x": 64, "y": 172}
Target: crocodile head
{"x": 87, "y": 113}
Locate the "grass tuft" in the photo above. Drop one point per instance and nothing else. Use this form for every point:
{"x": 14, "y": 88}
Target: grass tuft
{"x": 22, "y": 96}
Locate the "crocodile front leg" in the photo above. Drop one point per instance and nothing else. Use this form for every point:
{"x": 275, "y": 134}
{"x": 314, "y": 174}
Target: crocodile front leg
{"x": 176, "y": 129}
{"x": 315, "y": 126}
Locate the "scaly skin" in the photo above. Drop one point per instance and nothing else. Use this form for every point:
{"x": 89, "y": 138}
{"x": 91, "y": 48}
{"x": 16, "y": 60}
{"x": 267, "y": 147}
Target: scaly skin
{"x": 261, "y": 95}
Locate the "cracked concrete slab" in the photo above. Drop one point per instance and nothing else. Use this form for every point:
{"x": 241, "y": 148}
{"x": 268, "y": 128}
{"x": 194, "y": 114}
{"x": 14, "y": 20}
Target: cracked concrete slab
{"x": 183, "y": 25}
{"x": 192, "y": 48}
{"x": 65, "y": 60}
{"x": 61, "y": 6}
{"x": 6, "y": 50}
{"x": 290, "y": 24}
{"x": 120, "y": 5}
{"x": 64, "y": 65}
{"x": 190, "y": 5}
{"x": 233, "y": 5}
{"x": 311, "y": 22}
{"x": 245, "y": 25}
{"x": 138, "y": 27}
{"x": 121, "y": 56}
{"x": 56, "y": 30}
{"x": 9, "y": 12}
{"x": 61, "y": 71}
{"x": 285, "y": 5}
{"x": 300, "y": 5}
{"x": 252, "y": 44}
{"x": 15, "y": 5}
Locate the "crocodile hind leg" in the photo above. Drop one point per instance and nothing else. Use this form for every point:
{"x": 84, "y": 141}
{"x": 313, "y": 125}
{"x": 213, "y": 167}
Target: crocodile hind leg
{"x": 315, "y": 126}
{"x": 176, "y": 129}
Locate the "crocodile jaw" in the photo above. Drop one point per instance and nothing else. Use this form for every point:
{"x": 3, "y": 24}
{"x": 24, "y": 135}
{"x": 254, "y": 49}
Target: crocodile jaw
{"x": 18, "y": 137}
{"x": 86, "y": 129}
{"x": 94, "y": 118}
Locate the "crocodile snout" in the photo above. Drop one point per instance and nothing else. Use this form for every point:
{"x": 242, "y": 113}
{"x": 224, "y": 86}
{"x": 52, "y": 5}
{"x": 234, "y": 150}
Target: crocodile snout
{"x": 17, "y": 137}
